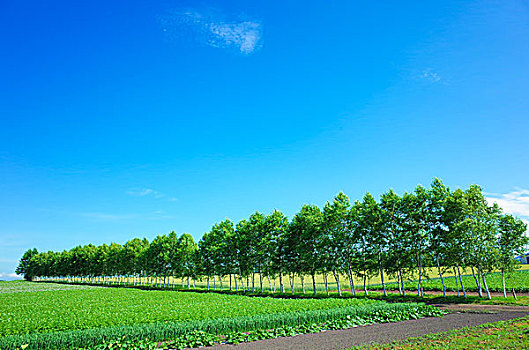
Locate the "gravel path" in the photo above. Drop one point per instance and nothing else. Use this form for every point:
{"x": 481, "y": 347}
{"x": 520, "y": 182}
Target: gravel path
{"x": 388, "y": 332}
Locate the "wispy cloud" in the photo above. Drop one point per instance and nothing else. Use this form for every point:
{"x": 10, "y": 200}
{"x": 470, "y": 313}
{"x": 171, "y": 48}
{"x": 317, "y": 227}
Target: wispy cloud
{"x": 148, "y": 192}
{"x": 142, "y": 192}
{"x": 216, "y": 29}
{"x": 10, "y": 276}
{"x": 430, "y": 76}
{"x": 515, "y": 202}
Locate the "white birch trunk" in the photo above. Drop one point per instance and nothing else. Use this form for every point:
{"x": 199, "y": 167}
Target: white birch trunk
{"x": 337, "y": 278}
{"x": 351, "y": 280}
{"x": 486, "y": 287}
{"x": 461, "y": 282}
{"x": 441, "y": 276}
{"x": 382, "y": 280}
{"x": 503, "y": 283}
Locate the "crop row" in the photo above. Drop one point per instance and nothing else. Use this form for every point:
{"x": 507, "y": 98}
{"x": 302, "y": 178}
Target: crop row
{"x": 374, "y": 312}
{"x": 62, "y": 310}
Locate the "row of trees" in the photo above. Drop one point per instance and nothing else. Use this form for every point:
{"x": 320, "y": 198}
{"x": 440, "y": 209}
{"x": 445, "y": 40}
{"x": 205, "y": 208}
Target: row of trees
{"x": 396, "y": 237}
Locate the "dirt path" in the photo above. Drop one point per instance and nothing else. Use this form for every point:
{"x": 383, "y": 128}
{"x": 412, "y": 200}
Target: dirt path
{"x": 472, "y": 315}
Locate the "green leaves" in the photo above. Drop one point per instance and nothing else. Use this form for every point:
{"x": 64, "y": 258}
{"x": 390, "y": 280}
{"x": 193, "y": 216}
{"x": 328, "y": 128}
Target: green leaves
{"x": 74, "y": 309}
{"x": 113, "y": 318}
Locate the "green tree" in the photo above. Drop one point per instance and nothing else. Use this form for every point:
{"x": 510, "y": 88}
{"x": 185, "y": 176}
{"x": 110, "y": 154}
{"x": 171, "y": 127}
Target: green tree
{"x": 24, "y": 267}
{"x": 336, "y": 228}
{"x": 306, "y": 226}
{"x": 277, "y": 227}
{"x": 511, "y": 242}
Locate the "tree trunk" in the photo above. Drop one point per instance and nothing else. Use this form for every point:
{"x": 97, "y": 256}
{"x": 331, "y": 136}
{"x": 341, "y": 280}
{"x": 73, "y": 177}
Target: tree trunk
{"x": 382, "y": 280}
{"x": 457, "y": 284}
{"x": 281, "y": 286}
{"x": 365, "y": 282}
{"x": 419, "y": 285}
{"x": 261, "y": 280}
{"x": 461, "y": 283}
{"x": 514, "y": 294}
{"x": 220, "y": 281}
{"x": 230, "y": 282}
{"x": 314, "y": 284}
{"x": 292, "y": 276}
{"x": 253, "y": 282}
{"x": 214, "y": 282}
{"x": 441, "y": 276}
{"x": 188, "y": 282}
{"x": 478, "y": 283}
{"x": 207, "y": 282}
{"x": 269, "y": 283}
{"x": 486, "y": 287}
{"x": 326, "y": 285}
{"x": 399, "y": 282}
{"x": 303, "y": 283}
{"x": 337, "y": 278}
{"x": 351, "y": 280}
{"x": 503, "y": 283}
{"x": 235, "y": 281}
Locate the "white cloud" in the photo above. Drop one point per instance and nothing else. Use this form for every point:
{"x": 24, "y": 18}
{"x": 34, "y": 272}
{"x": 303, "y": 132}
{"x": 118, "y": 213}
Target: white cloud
{"x": 515, "y": 202}
{"x": 244, "y": 35}
{"x": 216, "y": 29}
{"x": 149, "y": 192}
{"x": 9, "y": 276}
{"x": 141, "y": 192}
{"x": 430, "y": 75}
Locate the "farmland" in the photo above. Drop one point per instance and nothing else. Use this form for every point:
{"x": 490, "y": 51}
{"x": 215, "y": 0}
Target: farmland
{"x": 517, "y": 279}
{"x": 74, "y": 309}
{"x": 49, "y": 315}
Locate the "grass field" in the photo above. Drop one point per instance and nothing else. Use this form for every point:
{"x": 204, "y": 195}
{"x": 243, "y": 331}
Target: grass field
{"x": 497, "y": 335}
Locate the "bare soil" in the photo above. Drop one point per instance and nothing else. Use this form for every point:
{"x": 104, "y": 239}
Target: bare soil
{"x": 463, "y": 315}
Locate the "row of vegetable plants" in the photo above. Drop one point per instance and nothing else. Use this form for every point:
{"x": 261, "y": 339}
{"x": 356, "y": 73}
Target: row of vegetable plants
{"x": 395, "y": 237}
{"x": 204, "y": 332}
{"x": 76, "y": 309}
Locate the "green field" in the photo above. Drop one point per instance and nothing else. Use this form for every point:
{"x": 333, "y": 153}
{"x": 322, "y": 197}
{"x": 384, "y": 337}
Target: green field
{"x": 48, "y": 316}
{"x": 71, "y": 308}
{"x": 518, "y": 280}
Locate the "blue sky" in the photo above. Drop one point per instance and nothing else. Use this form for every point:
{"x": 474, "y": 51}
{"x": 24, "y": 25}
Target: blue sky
{"x": 127, "y": 119}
